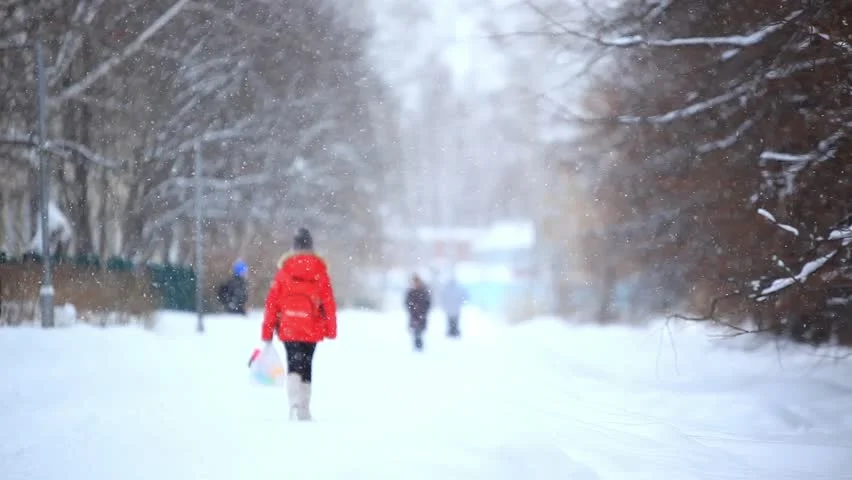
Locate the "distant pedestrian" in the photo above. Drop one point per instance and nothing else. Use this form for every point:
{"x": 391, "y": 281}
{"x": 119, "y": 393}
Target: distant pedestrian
{"x": 453, "y": 298}
{"x": 418, "y": 302}
{"x": 233, "y": 294}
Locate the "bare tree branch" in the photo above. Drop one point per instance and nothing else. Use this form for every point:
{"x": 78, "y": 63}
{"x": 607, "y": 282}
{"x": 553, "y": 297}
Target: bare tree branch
{"x": 59, "y": 147}
{"x": 131, "y": 49}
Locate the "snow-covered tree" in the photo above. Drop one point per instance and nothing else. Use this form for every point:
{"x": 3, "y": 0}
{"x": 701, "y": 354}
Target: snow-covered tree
{"x": 723, "y": 133}
{"x": 274, "y": 96}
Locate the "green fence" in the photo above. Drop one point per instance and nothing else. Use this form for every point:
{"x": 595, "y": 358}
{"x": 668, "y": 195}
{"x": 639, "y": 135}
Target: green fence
{"x": 174, "y": 283}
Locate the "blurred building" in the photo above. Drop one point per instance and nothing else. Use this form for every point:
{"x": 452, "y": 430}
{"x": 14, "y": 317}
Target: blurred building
{"x": 500, "y": 265}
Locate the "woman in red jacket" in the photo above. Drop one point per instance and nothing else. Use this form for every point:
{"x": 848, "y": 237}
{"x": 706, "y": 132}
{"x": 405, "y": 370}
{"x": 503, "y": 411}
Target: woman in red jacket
{"x": 300, "y": 307}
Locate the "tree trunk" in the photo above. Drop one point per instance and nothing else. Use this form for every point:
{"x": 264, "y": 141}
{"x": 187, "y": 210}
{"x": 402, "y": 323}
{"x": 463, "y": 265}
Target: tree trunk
{"x": 5, "y": 230}
{"x": 104, "y": 217}
{"x": 81, "y": 221}
{"x": 607, "y": 290}
{"x": 32, "y": 207}
{"x": 82, "y": 129}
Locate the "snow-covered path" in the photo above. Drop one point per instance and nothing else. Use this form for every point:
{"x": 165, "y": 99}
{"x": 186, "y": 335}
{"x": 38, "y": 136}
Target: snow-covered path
{"x": 539, "y": 401}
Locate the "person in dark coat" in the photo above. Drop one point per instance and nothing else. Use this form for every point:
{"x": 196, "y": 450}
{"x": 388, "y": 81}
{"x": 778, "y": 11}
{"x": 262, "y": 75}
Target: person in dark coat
{"x": 233, "y": 294}
{"x": 418, "y": 301}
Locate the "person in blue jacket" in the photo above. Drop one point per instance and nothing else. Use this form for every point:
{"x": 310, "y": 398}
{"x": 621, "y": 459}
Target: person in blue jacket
{"x": 233, "y": 294}
{"x": 453, "y": 298}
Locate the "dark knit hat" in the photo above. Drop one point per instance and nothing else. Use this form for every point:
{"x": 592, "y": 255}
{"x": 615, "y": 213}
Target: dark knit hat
{"x": 303, "y": 240}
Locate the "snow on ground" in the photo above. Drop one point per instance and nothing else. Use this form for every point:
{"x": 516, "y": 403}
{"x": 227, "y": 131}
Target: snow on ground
{"x": 543, "y": 400}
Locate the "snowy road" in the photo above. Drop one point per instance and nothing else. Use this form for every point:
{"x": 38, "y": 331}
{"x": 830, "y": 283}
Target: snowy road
{"x": 540, "y": 401}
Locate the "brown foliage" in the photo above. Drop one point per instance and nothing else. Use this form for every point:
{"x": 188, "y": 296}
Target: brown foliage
{"x": 722, "y": 109}
{"x": 343, "y": 260}
{"x": 93, "y": 292}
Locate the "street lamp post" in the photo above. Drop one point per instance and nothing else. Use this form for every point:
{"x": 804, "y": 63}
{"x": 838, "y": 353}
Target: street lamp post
{"x": 46, "y": 292}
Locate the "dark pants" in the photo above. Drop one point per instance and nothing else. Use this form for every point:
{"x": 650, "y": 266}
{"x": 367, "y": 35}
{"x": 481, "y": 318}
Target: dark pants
{"x": 231, "y": 308}
{"x": 300, "y": 358}
{"x": 453, "y": 326}
{"x": 417, "y": 325}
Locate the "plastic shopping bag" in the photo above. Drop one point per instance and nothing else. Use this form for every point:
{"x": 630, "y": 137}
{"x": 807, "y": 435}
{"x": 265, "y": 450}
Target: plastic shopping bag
{"x": 266, "y": 366}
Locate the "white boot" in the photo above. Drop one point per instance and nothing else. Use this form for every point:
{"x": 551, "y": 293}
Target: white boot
{"x": 304, "y": 410}
{"x": 294, "y": 389}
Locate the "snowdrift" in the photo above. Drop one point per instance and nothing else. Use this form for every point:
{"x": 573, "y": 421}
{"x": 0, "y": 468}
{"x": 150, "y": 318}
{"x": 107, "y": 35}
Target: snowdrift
{"x": 542, "y": 400}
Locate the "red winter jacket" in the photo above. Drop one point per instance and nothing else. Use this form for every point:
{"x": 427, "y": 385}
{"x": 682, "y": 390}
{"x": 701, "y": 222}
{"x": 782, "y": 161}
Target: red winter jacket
{"x": 300, "y": 305}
